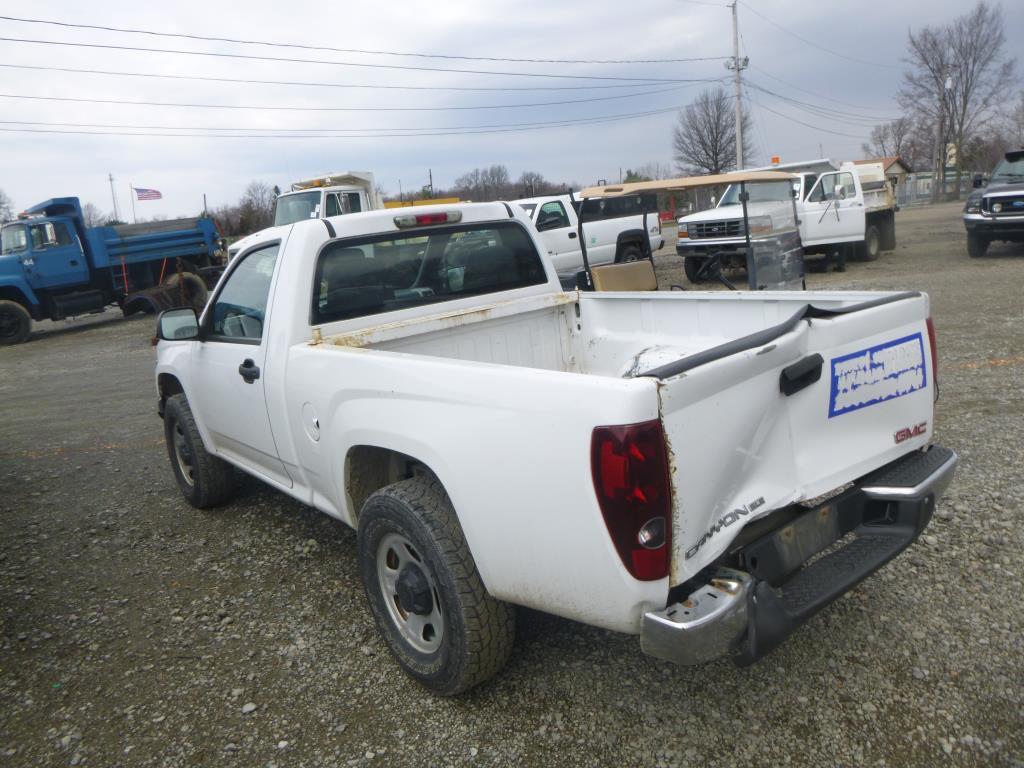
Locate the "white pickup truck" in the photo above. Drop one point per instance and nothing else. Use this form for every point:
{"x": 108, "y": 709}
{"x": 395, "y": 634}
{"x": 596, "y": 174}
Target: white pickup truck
{"x": 852, "y": 206}
{"x": 614, "y": 230}
{"x": 651, "y": 463}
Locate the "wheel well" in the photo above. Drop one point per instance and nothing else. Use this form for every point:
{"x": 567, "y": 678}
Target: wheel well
{"x": 168, "y": 385}
{"x": 369, "y": 468}
{"x": 13, "y": 294}
{"x": 630, "y": 237}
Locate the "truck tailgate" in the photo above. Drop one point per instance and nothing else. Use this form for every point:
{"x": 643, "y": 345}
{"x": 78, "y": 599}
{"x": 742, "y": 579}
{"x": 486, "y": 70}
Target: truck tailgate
{"x": 790, "y": 414}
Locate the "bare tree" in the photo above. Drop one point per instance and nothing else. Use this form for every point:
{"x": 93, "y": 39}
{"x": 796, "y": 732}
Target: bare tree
{"x": 257, "y": 206}
{"x": 483, "y": 184}
{"x": 6, "y": 207}
{"x": 704, "y": 138}
{"x": 92, "y": 215}
{"x": 1015, "y": 123}
{"x": 531, "y": 184}
{"x": 968, "y": 55}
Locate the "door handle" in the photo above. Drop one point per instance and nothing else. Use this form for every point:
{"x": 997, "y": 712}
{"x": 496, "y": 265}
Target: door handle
{"x": 799, "y": 375}
{"x": 572, "y": 235}
{"x": 249, "y": 371}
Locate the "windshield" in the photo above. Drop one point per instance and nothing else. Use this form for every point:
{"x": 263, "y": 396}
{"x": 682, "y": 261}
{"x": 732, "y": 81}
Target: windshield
{"x": 760, "y": 192}
{"x": 1009, "y": 171}
{"x": 292, "y": 208}
{"x": 14, "y": 238}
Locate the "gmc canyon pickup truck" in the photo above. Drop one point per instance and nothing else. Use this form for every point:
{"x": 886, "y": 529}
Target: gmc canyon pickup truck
{"x": 706, "y": 470}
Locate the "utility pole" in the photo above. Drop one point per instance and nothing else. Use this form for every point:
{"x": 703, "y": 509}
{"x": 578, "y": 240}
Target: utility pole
{"x": 738, "y": 65}
{"x": 113, "y": 197}
{"x": 430, "y": 174}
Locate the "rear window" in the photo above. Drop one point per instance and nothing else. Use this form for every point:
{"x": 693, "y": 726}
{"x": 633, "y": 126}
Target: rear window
{"x": 385, "y": 273}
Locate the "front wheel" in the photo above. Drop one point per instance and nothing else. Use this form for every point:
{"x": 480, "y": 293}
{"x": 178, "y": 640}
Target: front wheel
{"x": 977, "y": 246}
{"x": 427, "y": 598}
{"x": 15, "y": 323}
{"x": 693, "y": 266}
{"x": 204, "y": 480}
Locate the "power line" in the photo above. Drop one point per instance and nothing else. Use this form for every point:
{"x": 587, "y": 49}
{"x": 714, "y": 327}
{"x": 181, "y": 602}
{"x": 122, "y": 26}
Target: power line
{"x": 82, "y": 100}
{"x": 209, "y": 78}
{"x": 307, "y": 47}
{"x": 424, "y": 133}
{"x": 810, "y": 93}
{"x": 807, "y": 125}
{"x": 289, "y": 60}
{"x": 831, "y": 112}
{"x": 817, "y": 45}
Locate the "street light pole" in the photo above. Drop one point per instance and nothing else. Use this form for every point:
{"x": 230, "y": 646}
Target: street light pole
{"x": 737, "y": 65}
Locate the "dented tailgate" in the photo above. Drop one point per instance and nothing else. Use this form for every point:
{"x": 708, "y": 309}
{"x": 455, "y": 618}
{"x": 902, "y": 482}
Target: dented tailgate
{"x": 790, "y": 415}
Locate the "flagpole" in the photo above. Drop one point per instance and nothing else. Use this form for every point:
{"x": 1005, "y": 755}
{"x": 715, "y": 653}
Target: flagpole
{"x": 131, "y": 194}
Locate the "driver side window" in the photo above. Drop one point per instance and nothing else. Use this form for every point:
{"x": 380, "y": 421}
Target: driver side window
{"x": 241, "y": 306}
{"x": 552, "y": 215}
{"x": 832, "y": 186}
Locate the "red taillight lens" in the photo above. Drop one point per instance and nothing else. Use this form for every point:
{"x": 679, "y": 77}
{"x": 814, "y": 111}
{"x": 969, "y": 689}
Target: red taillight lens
{"x": 935, "y": 355}
{"x": 631, "y": 478}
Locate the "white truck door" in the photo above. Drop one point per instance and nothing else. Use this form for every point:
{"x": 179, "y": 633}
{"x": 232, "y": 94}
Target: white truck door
{"x": 833, "y": 212}
{"x": 229, "y": 364}
{"x": 559, "y": 236}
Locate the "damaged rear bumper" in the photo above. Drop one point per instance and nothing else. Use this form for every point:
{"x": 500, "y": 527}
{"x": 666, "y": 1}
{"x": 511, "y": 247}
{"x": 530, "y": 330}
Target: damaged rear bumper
{"x": 786, "y": 578}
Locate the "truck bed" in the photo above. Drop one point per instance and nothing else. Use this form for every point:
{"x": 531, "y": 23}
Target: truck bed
{"x": 857, "y": 364}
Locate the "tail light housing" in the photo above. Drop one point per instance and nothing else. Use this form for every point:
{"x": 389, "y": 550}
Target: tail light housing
{"x": 935, "y": 355}
{"x": 631, "y": 478}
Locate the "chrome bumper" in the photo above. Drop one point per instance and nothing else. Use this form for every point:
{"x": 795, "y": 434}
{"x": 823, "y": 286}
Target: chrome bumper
{"x": 702, "y": 627}
{"x": 747, "y": 615}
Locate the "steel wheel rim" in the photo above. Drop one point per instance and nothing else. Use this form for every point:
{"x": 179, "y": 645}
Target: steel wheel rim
{"x": 182, "y": 454}
{"x": 423, "y": 632}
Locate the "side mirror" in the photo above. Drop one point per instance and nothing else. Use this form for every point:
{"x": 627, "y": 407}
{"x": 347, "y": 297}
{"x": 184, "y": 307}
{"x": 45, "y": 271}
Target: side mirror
{"x": 841, "y": 193}
{"x": 178, "y": 324}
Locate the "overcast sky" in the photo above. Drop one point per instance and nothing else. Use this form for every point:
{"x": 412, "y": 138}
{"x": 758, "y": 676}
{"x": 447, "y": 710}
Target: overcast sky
{"x": 849, "y": 60}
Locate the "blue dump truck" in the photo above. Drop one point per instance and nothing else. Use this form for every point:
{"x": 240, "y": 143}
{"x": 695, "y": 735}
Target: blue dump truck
{"x": 52, "y": 266}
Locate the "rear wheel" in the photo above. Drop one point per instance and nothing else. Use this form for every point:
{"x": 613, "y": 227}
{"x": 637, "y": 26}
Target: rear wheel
{"x": 187, "y": 289}
{"x": 15, "y": 323}
{"x": 629, "y": 252}
{"x": 872, "y": 245}
{"x": 427, "y": 599}
{"x": 977, "y": 246}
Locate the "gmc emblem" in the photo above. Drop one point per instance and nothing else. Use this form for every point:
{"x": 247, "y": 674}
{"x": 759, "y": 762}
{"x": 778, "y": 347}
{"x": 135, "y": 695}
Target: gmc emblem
{"x": 906, "y": 433}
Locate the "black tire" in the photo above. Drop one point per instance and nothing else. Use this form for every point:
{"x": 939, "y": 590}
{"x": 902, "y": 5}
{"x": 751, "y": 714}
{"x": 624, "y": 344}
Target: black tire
{"x": 187, "y": 289}
{"x": 411, "y": 526}
{"x": 889, "y": 233}
{"x": 629, "y": 252}
{"x": 15, "y": 323}
{"x": 872, "y": 245}
{"x": 977, "y": 246}
{"x": 692, "y": 266}
{"x": 205, "y": 481}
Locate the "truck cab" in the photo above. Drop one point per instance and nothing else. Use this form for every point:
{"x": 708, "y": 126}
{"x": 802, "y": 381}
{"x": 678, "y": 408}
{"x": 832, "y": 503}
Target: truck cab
{"x": 45, "y": 251}
{"x": 320, "y": 197}
{"x": 833, "y": 208}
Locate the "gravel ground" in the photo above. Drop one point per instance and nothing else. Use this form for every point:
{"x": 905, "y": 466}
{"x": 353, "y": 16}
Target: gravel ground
{"x": 136, "y": 631}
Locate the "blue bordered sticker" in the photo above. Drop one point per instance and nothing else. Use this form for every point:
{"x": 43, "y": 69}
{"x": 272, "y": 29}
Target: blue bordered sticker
{"x": 876, "y": 374}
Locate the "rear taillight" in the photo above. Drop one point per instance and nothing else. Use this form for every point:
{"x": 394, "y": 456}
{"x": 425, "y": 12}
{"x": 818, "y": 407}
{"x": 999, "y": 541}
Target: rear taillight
{"x": 935, "y": 355}
{"x": 631, "y": 478}
{"x": 428, "y": 219}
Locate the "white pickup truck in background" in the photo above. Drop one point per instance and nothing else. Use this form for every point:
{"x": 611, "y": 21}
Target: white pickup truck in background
{"x": 850, "y": 206}
{"x": 650, "y": 463}
{"x": 331, "y": 195}
{"x": 614, "y": 230}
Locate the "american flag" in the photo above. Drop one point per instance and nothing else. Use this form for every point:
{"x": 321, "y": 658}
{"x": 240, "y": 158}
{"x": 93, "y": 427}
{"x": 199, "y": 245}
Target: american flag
{"x": 147, "y": 194}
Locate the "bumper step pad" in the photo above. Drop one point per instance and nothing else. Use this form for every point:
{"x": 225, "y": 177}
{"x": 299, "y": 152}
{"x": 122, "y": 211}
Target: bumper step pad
{"x": 884, "y": 514}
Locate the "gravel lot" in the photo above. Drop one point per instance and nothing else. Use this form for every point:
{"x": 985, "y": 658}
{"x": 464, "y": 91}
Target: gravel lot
{"x": 136, "y": 631}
